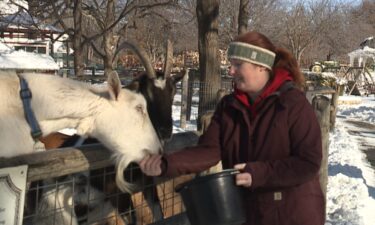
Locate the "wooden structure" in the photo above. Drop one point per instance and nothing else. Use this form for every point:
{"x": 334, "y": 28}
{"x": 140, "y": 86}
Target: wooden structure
{"x": 358, "y": 77}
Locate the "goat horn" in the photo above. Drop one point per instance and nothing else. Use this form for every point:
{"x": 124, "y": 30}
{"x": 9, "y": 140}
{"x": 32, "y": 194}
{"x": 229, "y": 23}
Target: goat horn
{"x": 168, "y": 59}
{"x": 142, "y": 56}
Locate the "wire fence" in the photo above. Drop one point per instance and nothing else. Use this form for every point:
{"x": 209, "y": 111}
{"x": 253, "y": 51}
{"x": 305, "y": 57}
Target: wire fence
{"x": 61, "y": 190}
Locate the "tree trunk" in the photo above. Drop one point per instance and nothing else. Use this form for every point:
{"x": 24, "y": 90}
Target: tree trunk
{"x": 209, "y": 63}
{"x": 108, "y": 38}
{"x": 243, "y": 16}
{"x": 77, "y": 39}
{"x": 33, "y": 7}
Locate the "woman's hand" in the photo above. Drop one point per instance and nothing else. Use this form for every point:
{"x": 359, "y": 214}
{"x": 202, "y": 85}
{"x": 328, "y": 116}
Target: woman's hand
{"x": 151, "y": 165}
{"x": 243, "y": 178}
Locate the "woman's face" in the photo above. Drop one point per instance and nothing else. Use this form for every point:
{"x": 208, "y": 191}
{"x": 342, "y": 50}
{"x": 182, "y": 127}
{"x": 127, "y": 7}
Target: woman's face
{"x": 249, "y": 78}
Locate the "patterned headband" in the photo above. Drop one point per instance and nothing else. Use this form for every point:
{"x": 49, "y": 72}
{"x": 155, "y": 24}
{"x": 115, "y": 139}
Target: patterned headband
{"x": 251, "y": 53}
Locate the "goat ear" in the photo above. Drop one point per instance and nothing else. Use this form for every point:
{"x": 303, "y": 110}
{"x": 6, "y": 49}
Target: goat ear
{"x": 114, "y": 85}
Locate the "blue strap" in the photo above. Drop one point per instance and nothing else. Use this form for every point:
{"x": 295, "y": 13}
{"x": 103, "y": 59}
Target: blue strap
{"x": 26, "y": 96}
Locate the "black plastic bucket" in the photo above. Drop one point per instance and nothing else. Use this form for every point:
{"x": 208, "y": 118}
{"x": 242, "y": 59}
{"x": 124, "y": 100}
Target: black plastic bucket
{"x": 213, "y": 199}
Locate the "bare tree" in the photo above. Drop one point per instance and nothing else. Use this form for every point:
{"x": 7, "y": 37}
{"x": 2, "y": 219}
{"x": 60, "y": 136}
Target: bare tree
{"x": 67, "y": 15}
{"x": 77, "y": 38}
{"x": 334, "y": 41}
{"x": 243, "y": 16}
{"x": 140, "y": 20}
{"x": 362, "y": 21}
{"x": 228, "y": 20}
{"x": 185, "y": 30}
{"x": 98, "y": 24}
{"x": 209, "y": 63}
{"x": 304, "y": 22}
{"x": 345, "y": 26}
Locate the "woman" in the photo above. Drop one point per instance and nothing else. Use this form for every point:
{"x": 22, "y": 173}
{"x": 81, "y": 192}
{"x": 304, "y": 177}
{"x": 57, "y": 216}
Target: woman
{"x": 268, "y": 130}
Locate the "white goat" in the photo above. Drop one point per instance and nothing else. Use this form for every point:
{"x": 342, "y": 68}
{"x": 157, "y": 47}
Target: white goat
{"x": 116, "y": 117}
{"x": 57, "y": 202}
{"x": 56, "y": 206}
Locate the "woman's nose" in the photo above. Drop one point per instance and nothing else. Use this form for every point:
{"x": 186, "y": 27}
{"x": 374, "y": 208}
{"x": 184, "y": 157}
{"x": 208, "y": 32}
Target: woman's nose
{"x": 231, "y": 71}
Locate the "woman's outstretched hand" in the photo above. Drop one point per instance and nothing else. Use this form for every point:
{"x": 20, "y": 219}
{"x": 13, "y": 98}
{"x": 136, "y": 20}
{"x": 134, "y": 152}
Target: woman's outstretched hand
{"x": 243, "y": 178}
{"x": 151, "y": 165}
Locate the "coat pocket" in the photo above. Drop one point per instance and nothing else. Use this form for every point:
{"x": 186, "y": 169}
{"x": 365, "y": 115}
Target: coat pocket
{"x": 304, "y": 209}
{"x": 270, "y": 207}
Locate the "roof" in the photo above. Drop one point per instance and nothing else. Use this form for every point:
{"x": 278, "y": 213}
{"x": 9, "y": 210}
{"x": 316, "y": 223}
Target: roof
{"x": 23, "y": 19}
{"x": 22, "y": 60}
{"x": 369, "y": 42}
{"x": 5, "y": 48}
{"x": 365, "y": 52}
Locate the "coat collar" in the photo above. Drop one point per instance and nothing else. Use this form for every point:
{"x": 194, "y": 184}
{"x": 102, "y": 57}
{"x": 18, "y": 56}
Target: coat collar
{"x": 281, "y": 76}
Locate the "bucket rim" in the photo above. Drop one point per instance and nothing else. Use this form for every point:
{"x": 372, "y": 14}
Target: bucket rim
{"x": 200, "y": 179}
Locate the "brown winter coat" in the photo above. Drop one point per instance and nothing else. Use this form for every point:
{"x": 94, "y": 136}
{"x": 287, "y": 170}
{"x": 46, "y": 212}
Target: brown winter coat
{"x": 282, "y": 150}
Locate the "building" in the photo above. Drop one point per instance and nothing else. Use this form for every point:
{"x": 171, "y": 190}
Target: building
{"x": 21, "y": 31}
{"x": 359, "y": 57}
{"x": 24, "y": 32}
{"x": 22, "y": 61}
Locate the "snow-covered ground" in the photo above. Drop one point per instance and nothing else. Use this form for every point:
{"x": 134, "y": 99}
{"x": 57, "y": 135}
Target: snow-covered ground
{"x": 351, "y": 181}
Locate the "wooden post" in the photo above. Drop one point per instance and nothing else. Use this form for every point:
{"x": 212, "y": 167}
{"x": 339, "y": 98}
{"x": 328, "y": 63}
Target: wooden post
{"x": 190, "y": 91}
{"x": 65, "y": 73}
{"x": 184, "y": 91}
{"x": 334, "y": 101}
{"x": 321, "y": 105}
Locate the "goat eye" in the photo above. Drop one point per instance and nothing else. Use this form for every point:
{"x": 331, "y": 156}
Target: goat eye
{"x": 139, "y": 108}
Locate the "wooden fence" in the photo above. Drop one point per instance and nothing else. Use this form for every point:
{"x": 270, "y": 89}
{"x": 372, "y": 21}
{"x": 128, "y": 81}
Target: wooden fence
{"x": 66, "y": 161}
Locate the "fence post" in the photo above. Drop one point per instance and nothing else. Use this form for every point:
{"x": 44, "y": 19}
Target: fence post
{"x": 184, "y": 91}
{"x": 321, "y": 105}
{"x": 190, "y": 91}
{"x": 65, "y": 73}
{"x": 334, "y": 103}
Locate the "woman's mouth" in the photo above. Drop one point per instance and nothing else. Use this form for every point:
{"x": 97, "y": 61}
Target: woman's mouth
{"x": 237, "y": 79}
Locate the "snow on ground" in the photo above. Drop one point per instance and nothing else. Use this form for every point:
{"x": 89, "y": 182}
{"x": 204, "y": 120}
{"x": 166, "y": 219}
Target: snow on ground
{"x": 351, "y": 181}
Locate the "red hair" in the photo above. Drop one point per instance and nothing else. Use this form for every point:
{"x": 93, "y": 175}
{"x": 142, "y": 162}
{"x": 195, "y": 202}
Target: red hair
{"x": 283, "y": 60}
